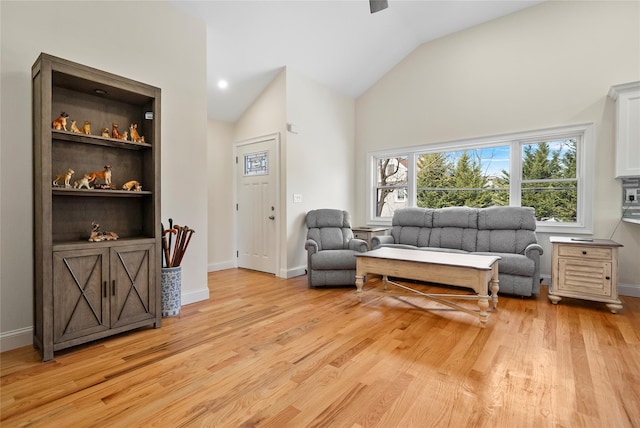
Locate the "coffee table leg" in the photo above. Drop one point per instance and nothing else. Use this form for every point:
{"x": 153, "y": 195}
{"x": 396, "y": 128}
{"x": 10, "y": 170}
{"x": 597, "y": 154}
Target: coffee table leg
{"x": 483, "y": 303}
{"x": 495, "y": 285}
{"x": 359, "y": 284}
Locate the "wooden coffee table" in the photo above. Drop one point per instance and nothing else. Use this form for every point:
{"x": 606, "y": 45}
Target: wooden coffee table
{"x": 463, "y": 270}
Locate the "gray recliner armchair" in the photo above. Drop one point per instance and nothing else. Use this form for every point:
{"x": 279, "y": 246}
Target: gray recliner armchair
{"x": 331, "y": 248}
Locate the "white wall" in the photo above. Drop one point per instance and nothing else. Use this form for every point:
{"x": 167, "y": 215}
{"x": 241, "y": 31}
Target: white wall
{"x": 152, "y": 42}
{"x": 220, "y": 170}
{"x": 320, "y": 158}
{"x": 267, "y": 116}
{"x": 546, "y": 66}
{"x": 316, "y": 163}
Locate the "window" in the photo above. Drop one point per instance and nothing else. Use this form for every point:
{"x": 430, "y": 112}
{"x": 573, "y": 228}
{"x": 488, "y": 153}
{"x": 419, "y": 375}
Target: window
{"x": 391, "y": 185}
{"x": 544, "y": 169}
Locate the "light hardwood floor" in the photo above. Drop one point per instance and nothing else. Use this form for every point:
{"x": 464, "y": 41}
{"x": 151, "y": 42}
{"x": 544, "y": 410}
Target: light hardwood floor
{"x": 264, "y": 351}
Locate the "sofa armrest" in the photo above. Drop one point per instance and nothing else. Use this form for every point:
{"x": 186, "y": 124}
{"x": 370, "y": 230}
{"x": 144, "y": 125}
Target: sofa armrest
{"x": 359, "y": 245}
{"x": 534, "y": 251}
{"x": 376, "y": 241}
{"x": 311, "y": 246}
{"x": 531, "y": 248}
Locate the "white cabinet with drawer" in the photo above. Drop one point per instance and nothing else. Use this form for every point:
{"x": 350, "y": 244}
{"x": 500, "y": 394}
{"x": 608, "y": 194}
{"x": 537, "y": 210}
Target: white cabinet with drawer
{"x": 585, "y": 269}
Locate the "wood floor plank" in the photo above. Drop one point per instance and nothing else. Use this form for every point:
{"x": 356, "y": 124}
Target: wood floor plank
{"x": 265, "y": 351}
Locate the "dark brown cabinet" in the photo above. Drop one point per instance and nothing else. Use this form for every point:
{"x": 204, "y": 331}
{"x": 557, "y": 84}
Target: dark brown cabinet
{"x": 86, "y": 290}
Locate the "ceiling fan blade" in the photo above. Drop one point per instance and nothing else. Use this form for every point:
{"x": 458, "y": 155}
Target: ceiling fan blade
{"x": 378, "y": 5}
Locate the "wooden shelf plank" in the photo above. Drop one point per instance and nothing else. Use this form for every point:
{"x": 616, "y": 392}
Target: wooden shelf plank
{"x": 62, "y": 191}
{"x": 98, "y": 140}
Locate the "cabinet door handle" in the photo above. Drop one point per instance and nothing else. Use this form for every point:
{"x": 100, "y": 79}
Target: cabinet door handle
{"x": 104, "y": 288}
{"x": 607, "y": 278}
{"x": 113, "y": 287}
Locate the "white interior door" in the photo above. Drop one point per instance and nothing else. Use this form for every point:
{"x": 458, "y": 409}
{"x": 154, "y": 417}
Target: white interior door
{"x": 257, "y": 217}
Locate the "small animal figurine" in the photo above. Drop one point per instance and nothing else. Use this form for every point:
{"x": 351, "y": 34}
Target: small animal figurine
{"x": 132, "y": 185}
{"x": 142, "y": 139}
{"x": 124, "y": 136}
{"x": 66, "y": 177}
{"x": 83, "y": 182}
{"x": 61, "y": 122}
{"x": 97, "y": 235}
{"x": 105, "y": 132}
{"x": 104, "y": 175}
{"x": 74, "y": 127}
{"x": 86, "y": 128}
{"x": 133, "y": 130}
{"x": 115, "y": 133}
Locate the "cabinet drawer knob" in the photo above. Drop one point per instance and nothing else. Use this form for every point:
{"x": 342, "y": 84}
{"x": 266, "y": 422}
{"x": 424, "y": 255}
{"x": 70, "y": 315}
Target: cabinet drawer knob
{"x": 584, "y": 252}
{"x": 607, "y": 278}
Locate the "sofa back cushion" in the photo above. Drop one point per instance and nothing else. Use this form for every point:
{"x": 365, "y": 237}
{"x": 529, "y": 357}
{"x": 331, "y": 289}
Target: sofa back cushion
{"x": 455, "y": 227}
{"x": 412, "y": 226}
{"x": 506, "y": 229}
{"x": 330, "y": 228}
{"x": 493, "y": 229}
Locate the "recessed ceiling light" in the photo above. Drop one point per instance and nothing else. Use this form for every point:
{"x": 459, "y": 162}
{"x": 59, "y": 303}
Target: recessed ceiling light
{"x": 222, "y": 84}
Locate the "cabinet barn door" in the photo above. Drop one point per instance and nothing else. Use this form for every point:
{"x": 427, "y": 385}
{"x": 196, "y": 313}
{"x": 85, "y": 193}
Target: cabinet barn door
{"x": 133, "y": 284}
{"x": 80, "y": 297}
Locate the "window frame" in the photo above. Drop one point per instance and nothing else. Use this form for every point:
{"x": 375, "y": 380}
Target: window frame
{"x": 585, "y": 162}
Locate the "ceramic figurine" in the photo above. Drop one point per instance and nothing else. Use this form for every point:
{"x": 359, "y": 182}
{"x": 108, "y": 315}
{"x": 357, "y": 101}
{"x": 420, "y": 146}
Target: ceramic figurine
{"x": 86, "y": 128}
{"x": 132, "y": 185}
{"x": 61, "y": 122}
{"x": 124, "y": 136}
{"x": 74, "y": 127}
{"x": 104, "y": 175}
{"x": 83, "y": 182}
{"x": 66, "y": 177}
{"x": 105, "y": 132}
{"x": 115, "y": 133}
{"x": 133, "y": 130}
{"x": 97, "y": 235}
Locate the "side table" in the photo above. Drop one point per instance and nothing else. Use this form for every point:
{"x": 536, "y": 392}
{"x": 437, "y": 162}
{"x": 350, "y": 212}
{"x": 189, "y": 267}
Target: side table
{"x": 366, "y": 233}
{"x": 585, "y": 269}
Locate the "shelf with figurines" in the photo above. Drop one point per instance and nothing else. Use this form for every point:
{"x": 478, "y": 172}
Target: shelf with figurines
{"x": 131, "y": 139}
{"x": 88, "y": 185}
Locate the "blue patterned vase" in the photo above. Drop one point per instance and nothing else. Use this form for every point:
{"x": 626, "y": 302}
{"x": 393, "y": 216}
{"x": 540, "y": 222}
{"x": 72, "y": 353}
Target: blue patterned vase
{"x": 171, "y": 281}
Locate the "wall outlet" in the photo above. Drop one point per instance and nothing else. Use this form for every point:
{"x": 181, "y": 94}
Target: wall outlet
{"x": 631, "y": 195}
{"x": 297, "y": 198}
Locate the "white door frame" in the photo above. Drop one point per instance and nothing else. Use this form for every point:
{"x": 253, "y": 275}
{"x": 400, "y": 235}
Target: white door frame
{"x": 275, "y": 163}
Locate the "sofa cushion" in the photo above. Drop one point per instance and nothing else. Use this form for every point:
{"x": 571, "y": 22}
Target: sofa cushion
{"x": 501, "y": 218}
{"x": 334, "y": 259}
{"x": 456, "y": 238}
{"x": 512, "y": 264}
{"x": 462, "y": 217}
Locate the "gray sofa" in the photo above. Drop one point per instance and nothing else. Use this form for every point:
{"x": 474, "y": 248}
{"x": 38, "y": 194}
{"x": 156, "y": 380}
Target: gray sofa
{"x": 331, "y": 248}
{"x": 508, "y": 232}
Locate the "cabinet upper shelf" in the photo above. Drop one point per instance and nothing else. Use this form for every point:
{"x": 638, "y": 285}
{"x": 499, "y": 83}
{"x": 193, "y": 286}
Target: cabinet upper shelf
{"x": 62, "y": 191}
{"x": 98, "y": 140}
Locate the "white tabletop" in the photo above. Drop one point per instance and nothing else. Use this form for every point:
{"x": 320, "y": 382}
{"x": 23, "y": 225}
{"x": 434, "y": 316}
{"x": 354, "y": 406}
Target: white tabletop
{"x": 473, "y": 261}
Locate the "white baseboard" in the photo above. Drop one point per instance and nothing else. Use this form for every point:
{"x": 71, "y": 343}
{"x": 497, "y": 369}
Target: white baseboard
{"x": 292, "y": 273}
{"x": 213, "y": 267}
{"x": 195, "y": 296}
{"x": 16, "y": 339}
{"x": 631, "y": 290}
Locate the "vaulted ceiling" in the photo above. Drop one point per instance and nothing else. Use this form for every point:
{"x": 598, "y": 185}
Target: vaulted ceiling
{"x": 338, "y": 43}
